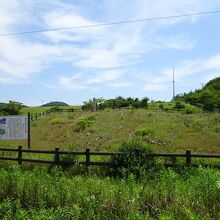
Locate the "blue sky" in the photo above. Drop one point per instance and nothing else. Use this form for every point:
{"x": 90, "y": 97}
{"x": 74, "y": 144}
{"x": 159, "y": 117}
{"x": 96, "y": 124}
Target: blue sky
{"x": 134, "y": 59}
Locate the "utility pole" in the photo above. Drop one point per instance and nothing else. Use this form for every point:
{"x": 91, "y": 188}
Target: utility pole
{"x": 173, "y": 84}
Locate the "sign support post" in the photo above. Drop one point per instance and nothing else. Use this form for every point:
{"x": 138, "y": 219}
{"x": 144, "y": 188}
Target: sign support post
{"x": 29, "y": 130}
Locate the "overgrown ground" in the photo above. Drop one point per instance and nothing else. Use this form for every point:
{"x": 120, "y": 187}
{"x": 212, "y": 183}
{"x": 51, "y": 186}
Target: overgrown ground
{"x": 105, "y": 130}
{"x": 167, "y": 194}
{"x": 47, "y": 192}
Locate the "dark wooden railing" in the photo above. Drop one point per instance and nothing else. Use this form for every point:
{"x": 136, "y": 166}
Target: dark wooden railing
{"x": 35, "y": 116}
{"x": 87, "y": 153}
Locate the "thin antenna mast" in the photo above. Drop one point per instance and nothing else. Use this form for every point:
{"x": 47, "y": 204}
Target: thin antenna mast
{"x": 173, "y": 84}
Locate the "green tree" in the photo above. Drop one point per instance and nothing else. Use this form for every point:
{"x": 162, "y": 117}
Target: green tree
{"x": 12, "y": 108}
{"x": 161, "y": 106}
{"x": 144, "y": 102}
{"x": 179, "y": 106}
{"x": 87, "y": 106}
{"x": 208, "y": 100}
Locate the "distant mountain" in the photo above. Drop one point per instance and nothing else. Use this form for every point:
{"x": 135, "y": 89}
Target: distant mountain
{"x": 207, "y": 98}
{"x": 1, "y": 103}
{"x": 55, "y": 104}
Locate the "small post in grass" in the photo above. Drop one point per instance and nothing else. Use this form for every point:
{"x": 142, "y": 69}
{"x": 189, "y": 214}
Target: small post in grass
{"x": 94, "y": 105}
{"x": 19, "y": 155}
{"x": 87, "y": 155}
{"x": 57, "y": 156}
{"x": 188, "y": 157}
{"x": 29, "y": 130}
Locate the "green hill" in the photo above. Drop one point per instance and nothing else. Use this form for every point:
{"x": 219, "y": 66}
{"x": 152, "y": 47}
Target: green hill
{"x": 213, "y": 84}
{"x": 208, "y": 98}
{"x": 55, "y": 103}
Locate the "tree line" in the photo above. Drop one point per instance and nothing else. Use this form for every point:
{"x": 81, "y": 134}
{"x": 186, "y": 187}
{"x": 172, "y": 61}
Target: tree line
{"x": 116, "y": 103}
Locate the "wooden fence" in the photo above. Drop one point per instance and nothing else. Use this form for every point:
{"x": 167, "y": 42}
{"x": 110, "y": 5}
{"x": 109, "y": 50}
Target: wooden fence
{"x": 50, "y": 111}
{"x": 87, "y": 153}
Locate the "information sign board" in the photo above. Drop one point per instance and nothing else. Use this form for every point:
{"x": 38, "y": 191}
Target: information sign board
{"x": 13, "y": 127}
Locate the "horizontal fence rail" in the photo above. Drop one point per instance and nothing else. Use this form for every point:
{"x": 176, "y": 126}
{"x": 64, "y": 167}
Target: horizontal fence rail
{"x": 87, "y": 153}
{"x": 50, "y": 111}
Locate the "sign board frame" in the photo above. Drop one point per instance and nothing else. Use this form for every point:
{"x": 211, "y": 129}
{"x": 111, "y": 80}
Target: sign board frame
{"x": 17, "y": 126}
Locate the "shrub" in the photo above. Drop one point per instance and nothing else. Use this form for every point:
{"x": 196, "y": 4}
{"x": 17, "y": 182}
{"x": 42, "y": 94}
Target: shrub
{"x": 12, "y": 108}
{"x": 55, "y": 108}
{"x": 69, "y": 159}
{"x": 134, "y": 159}
{"x": 179, "y": 106}
{"x": 141, "y": 132}
{"x": 190, "y": 110}
{"x": 217, "y": 128}
{"x": 161, "y": 106}
{"x": 85, "y": 123}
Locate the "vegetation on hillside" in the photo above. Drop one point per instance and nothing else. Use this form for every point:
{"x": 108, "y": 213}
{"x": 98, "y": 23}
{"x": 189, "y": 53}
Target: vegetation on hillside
{"x": 168, "y": 194}
{"x": 11, "y": 108}
{"x": 116, "y": 103}
{"x": 56, "y": 103}
{"x": 105, "y": 130}
{"x": 208, "y": 98}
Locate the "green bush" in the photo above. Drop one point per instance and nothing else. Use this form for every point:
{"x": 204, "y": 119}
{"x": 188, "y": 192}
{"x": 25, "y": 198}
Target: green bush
{"x": 190, "y": 110}
{"x": 12, "y": 108}
{"x": 85, "y": 123}
{"x": 134, "y": 159}
{"x": 55, "y": 108}
{"x": 161, "y": 106}
{"x": 69, "y": 159}
{"x": 179, "y": 106}
{"x": 141, "y": 132}
{"x": 217, "y": 128}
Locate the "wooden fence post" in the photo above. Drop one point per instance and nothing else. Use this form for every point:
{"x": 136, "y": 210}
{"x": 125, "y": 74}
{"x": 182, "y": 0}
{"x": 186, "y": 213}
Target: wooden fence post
{"x": 57, "y": 156}
{"x": 19, "y": 155}
{"x": 173, "y": 160}
{"x": 87, "y": 156}
{"x": 188, "y": 157}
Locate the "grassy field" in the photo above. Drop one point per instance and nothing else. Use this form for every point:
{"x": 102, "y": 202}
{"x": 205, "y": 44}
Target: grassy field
{"x": 105, "y": 130}
{"x": 47, "y": 192}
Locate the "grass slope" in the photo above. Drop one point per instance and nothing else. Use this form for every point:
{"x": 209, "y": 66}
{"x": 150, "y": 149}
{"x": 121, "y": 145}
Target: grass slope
{"x": 165, "y": 131}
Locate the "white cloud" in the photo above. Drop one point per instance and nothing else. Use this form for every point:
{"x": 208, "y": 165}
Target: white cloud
{"x": 93, "y": 51}
{"x": 203, "y": 68}
{"x": 121, "y": 84}
{"x": 104, "y": 77}
{"x": 207, "y": 65}
{"x": 70, "y": 84}
{"x": 154, "y": 87}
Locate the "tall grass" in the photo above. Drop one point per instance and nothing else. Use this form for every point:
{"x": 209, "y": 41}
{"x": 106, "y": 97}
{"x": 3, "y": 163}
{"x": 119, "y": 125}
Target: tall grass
{"x": 169, "y": 132}
{"x": 54, "y": 194}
